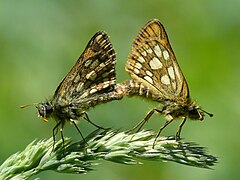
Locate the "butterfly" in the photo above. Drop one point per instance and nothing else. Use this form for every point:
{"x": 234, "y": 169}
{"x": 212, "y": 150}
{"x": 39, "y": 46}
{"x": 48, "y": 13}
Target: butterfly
{"x": 90, "y": 82}
{"x": 156, "y": 75}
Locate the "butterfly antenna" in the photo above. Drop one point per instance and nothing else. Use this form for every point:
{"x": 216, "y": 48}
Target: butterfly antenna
{"x": 24, "y": 106}
{"x": 210, "y": 114}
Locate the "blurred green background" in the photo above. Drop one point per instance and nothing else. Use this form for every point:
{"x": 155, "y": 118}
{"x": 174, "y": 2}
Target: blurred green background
{"x": 41, "y": 40}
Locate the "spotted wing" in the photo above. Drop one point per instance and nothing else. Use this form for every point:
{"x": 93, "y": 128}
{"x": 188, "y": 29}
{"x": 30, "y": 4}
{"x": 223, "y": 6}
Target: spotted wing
{"x": 93, "y": 73}
{"x": 152, "y": 63}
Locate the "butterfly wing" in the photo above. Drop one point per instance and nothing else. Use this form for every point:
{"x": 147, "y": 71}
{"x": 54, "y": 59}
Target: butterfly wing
{"x": 152, "y": 63}
{"x": 93, "y": 73}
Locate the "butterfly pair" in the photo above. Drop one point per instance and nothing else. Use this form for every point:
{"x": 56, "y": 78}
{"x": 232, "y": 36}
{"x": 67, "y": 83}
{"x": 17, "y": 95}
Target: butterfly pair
{"x": 155, "y": 75}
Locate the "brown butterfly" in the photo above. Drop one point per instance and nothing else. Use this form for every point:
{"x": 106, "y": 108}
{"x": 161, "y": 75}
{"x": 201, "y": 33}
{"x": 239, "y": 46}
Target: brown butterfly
{"x": 156, "y": 75}
{"x": 90, "y": 82}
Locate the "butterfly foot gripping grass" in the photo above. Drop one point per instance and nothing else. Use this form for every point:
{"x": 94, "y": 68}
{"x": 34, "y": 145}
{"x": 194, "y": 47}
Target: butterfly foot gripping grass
{"x": 90, "y": 82}
{"x": 156, "y": 75}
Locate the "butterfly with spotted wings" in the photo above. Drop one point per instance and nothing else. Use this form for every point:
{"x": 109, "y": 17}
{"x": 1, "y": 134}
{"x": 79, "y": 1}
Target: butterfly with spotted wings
{"x": 90, "y": 82}
{"x": 156, "y": 75}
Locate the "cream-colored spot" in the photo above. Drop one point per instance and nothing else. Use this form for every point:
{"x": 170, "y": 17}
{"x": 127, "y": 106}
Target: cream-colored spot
{"x": 108, "y": 81}
{"x": 149, "y": 73}
{"x": 144, "y": 53}
{"x": 136, "y": 71}
{"x": 77, "y": 78}
{"x": 101, "y": 99}
{"x": 174, "y": 85}
{"x": 171, "y": 72}
{"x": 79, "y": 87}
{"x": 84, "y": 95}
{"x": 87, "y": 63}
{"x": 105, "y": 85}
{"x": 141, "y": 59}
{"x": 138, "y": 65}
{"x": 165, "y": 55}
{"x": 98, "y": 37}
{"x": 103, "y": 42}
{"x": 149, "y": 79}
{"x": 149, "y": 50}
{"x": 165, "y": 79}
{"x": 102, "y": 65}
{"x": 155, "y": 63}
{"x": 177, "y": 70}
{"x": 91, "y": 75}
{"x": 92, "y": 91}
{"x": 132, "y": 84}
{"x": 157, "y": 50}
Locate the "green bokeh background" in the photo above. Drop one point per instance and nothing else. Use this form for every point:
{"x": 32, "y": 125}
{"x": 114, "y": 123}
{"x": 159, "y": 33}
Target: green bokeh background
{"x": 41, "y": 40}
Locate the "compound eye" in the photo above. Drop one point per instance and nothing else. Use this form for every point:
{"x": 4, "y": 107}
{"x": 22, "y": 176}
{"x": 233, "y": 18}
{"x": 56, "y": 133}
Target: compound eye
{"x": 48, "y": 108}
{"x": 41, "y": 110}
{"x": 44, "y": 110}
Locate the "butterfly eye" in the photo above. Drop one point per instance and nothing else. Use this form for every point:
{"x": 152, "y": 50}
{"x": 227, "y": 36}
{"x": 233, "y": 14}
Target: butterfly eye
{"x": 44, "y": 109}
{"x": 48, "y": 108}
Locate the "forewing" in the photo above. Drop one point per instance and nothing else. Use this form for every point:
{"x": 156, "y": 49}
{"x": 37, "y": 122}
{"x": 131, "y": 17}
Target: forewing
{"x": 153, "y": 63}
{"x": 93, "y": 73}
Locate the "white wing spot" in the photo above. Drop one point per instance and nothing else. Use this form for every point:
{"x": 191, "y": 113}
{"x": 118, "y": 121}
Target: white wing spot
{"x": 102, "y": 65}
{"x": 98, "y": 37}
{"x": 92, "y": 75}
{"x": 165, "y": 79}
{"x": 92, "y": 91}
{"x": 105, "y": 85}
{"x": 149, "y": 50}
{"x": 132, "y": 84}
{"x": 88, "y": 62}
{"x": 79, "y": 87}
{"x": 77, "y": 78}
{"x": 84, "y": 95}
{"x": 148, "y": 79}
{"x": 165, "y": 55}
{"x": 144, "y": 53}
{"x": 136, "y": 71}
{"x": 174, "y": 85}
{"x": 171, "y": 72}
{"x": 177, "y": 71}
{"x": 149, "y": 73}
{"x": 157, "y": 50}
{"x": 138, "y": 65}
{"x": 155, "y": 63}
{"x": 141, "y": 59}
{"x": 103, "y": 42}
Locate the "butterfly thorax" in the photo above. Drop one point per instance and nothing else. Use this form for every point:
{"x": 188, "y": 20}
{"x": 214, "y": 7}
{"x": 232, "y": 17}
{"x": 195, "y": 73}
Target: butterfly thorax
{"x": 183, "y": 109}
{"x": 56, "y": 111}
{"x": 62, "y": 109}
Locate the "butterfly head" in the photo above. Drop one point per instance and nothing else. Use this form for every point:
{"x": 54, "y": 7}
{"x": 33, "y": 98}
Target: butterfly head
{"x": 44, "y": 110}
{"x": 196, "y": 113}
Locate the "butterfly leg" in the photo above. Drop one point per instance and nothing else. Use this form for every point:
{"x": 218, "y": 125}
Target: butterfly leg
{"x": 61, "y": 132}
{"x": 159, "y": 132}
{"x": 180, "y": 129}
{"x": 145, "y": 119}
{"x": 72, "y": 121}
{"x": 88, "y": 120}
{"x": 54, "y": 131}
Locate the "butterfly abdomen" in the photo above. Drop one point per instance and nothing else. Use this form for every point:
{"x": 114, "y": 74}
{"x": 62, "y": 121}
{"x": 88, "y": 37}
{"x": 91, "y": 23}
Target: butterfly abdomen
{"x": 133, "y": 87}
